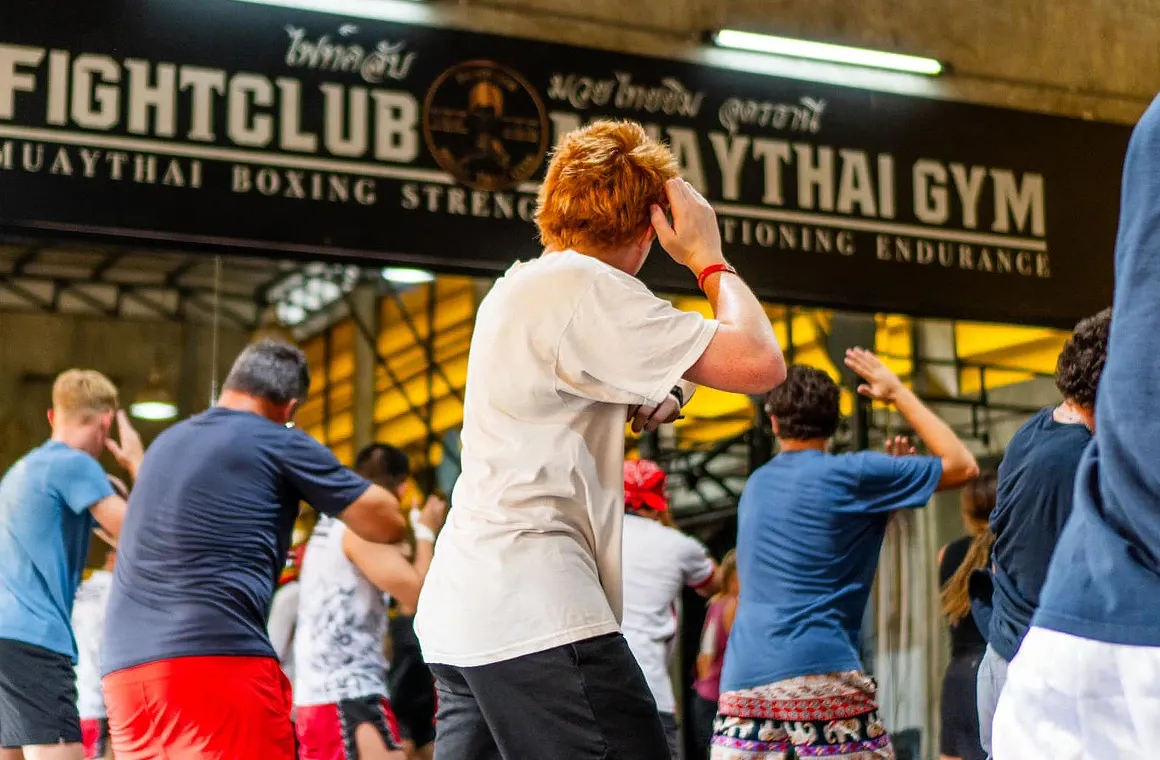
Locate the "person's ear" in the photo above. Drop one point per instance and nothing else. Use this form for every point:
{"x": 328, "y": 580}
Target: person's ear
{"x": 51, "y": 417}
{"x": 289, "y": 411}
{"x": 776, "y": 427}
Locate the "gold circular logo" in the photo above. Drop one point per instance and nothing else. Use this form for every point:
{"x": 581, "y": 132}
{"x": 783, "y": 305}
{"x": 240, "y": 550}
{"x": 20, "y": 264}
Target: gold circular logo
{"x": 485, "y": 125}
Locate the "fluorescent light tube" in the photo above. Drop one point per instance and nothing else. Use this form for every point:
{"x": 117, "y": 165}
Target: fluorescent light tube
{"x": 821, "y": 51}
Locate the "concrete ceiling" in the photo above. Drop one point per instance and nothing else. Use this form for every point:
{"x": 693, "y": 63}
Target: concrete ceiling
{"x": 1078, "y": 58}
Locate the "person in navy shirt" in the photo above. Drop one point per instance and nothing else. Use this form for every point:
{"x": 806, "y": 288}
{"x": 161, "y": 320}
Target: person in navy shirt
{"x": 811, "y": 526}
{"x": 51, "y": 500}
{"x": 1086, "y": 680}
{"x": 189, "y": 668}
{"x": 1033, "y": 502}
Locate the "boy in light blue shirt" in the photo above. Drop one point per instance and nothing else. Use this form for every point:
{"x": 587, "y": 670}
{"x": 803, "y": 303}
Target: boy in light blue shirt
{"x": 51, "y": 500}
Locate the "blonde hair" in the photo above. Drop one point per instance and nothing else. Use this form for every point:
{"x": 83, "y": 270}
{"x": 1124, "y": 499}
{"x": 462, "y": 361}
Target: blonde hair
{"x": 600, "y": 187}
{"x": 728, "y": 569}
{"x": 80, "y": 394}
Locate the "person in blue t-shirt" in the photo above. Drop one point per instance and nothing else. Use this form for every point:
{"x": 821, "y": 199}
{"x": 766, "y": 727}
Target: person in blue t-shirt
{"x": 50, "y": 503}
{"x": 1085, "y": 682}
{"x": 189, "y": 670}
{"x": 810, "y": 530}
{"x": 1033, "y": 502}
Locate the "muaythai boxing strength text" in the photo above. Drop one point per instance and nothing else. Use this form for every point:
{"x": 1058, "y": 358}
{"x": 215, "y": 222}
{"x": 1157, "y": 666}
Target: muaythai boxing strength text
{"x": 119, "y": 120}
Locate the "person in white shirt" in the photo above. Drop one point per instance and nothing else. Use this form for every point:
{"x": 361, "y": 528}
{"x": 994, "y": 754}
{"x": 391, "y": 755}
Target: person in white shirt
{"x": 88, "y": 620}
{"x": 284, "y": 607}
{"x": 342, "y": 711}
{"x": 520, "y": 615}
{"x": 659, "y": 562}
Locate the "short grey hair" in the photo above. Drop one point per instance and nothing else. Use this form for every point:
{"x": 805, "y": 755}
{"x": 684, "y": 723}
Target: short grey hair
{"x": 270, "y": 370}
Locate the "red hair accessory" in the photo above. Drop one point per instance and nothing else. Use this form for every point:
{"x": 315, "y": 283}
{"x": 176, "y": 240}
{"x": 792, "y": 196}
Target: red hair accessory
{"x": 644, "y": 486}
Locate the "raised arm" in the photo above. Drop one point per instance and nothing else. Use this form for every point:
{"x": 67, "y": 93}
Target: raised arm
{"x": 743, "y": 356}
{"x": 958, "y": 463}
{"x": 375, "y": 517}
{"x": 387, "y": 568}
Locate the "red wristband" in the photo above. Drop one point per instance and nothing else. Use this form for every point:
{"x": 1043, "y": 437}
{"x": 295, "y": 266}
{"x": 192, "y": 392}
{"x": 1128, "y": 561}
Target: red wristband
{"x": 711, "y": 270}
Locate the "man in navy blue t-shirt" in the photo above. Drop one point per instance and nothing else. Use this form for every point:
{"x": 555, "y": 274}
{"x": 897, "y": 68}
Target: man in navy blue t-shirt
{"x": 810, "y": 530}
{"x": 189, "y": 668}
{"x": 1033, "y": 502}
{"x": 1086, "y": 680}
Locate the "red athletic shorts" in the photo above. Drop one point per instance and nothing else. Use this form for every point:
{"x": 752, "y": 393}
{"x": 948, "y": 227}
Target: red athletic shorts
{"x": 95, "y": 737}
{"x": 201, "y": 708}
{"x": 327, "y": 732}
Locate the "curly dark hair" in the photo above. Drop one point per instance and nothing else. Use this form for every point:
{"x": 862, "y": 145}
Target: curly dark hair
{"x": 1077, "y": 375}
{"x": 806, "y": 405}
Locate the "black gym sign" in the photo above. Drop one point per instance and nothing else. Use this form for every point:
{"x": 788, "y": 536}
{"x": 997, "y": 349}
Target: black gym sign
{"x": 230, "y": 124}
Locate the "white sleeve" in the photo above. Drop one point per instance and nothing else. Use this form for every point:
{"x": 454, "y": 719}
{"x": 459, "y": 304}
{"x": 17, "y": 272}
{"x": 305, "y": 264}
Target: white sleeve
{"x": 283, "y": 616}
{"x": 697, "y": 566}
{"x": 624, "y": 345}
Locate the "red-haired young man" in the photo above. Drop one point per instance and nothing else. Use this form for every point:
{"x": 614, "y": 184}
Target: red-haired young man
{"x": 520, "y": 614}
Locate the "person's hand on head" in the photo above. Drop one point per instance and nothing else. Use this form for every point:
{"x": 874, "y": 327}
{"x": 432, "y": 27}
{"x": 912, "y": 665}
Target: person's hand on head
{"x": 900, "y": 446}
{"x": 434, "y": 513}
{"x": 129, "y": 451}
{"x": 693, "y": 239}
{"x": 881, "y": 384}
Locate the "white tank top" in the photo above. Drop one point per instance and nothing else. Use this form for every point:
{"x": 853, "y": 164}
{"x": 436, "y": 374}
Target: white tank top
{"x": 342, "y": 624}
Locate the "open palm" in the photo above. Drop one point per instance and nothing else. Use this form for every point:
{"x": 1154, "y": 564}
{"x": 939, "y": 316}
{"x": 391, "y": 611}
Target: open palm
{"x": 881, "y": 384}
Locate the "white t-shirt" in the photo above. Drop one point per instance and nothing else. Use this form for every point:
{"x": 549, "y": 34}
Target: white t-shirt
{"x": 280, "y": 626}
{"x": 88, "y": 620}
{"x": 342, "y": 625}
{"x": 658, "y": 563}
{"x": 530, "y": 556}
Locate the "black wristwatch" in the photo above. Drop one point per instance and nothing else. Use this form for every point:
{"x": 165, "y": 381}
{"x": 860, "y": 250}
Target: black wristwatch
{"x": 679, "y": 394}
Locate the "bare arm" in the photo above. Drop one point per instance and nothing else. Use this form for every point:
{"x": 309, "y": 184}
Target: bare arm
{"x": 711, "y": 587}
{"x": 109, "y": 513}
{"x": 387, "y": 568}
{"x": 743, "y": 356}
{"x": 958, "y": 463}
{"x": 375, "y": 517}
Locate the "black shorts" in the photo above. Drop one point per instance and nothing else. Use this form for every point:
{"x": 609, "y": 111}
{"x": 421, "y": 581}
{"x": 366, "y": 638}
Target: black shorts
{"x": 38, "y": 697}
{"x": 581, "y": 701}
{"x": 411, "y": 685}
{"x": 960, "y": 713}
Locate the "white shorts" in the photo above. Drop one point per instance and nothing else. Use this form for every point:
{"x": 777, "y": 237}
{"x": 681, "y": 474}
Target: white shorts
{"x": 1069, "y": 698}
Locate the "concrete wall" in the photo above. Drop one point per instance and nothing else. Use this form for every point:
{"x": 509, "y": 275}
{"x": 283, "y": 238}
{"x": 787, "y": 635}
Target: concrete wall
{"x": 1068, "y": 57}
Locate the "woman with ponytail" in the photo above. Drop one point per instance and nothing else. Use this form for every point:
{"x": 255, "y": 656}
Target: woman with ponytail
{"x": 957, "y": 560}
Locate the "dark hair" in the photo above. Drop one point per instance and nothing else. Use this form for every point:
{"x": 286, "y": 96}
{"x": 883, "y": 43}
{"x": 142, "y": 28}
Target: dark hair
{"x": 805, "y": 406}
{"x": 978, "y": 503}
{"x": 380, "y": 461}
{"x": 1077, "y": 374}
{"x": 978, "y": 499}
{"x": 270, "y": 370}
